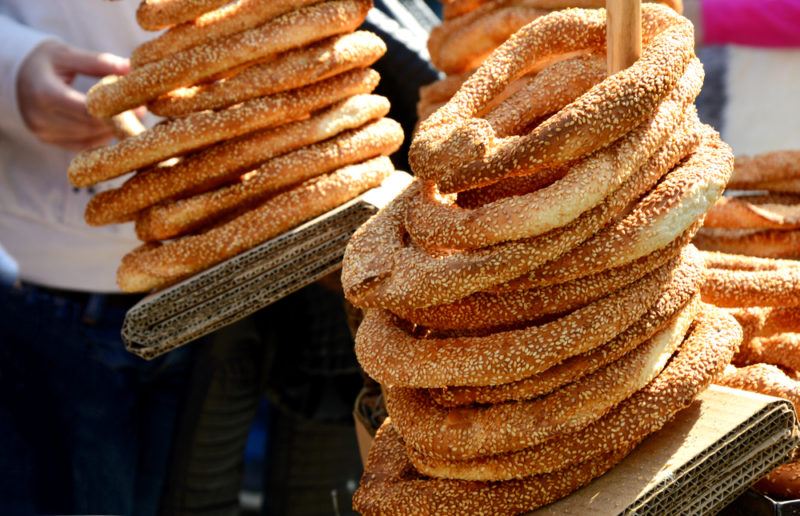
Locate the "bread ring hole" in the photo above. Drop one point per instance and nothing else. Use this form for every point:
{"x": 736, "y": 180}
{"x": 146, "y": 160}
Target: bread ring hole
{"x": 509, "y": 187}
{"x": 422, "y": 332}
{"x": 534, "y": 98}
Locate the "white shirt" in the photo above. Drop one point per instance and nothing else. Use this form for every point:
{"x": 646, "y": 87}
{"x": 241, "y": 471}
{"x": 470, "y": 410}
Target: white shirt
{"x": 762, "y": 111}
{"x": 41, "y": 215}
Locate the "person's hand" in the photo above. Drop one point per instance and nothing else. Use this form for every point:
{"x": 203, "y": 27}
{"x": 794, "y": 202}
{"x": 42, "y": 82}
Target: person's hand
{"x": 55, "y": 111}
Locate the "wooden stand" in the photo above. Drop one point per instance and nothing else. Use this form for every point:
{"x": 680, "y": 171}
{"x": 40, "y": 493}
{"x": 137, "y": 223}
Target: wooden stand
{"x": 623, "y": 33}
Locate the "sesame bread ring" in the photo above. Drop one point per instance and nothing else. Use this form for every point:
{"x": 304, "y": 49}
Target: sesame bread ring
{"x": 772, "y": 243}
{"x": 462, "y": 44}
{"x": 671, "y": 308}
{"x": 496, "y": 309}
{"x": 777, "y": 186}
{"x": 158, "y": 266}
{"x": 391, "y": 485}
{"x": 781, "y": 349}
{"x": 732, "y": 288}
{"x": 290, "y": 70}
{"x": 759, "y": 321}
{"x": 545, "y": 93}
{"x": 717, "y": 260}
{"x": 437, "y": 221}
{"x": 395, "y": 357}
{"x": 701, "y": 358}
{"x": 530, "y": 282}
{"x": 182, "y": 135}
{"x": 295, "y": 29}
{"x": 771, "y": 211}
{"x": 439, "y": 92}
{"x": 764, "y": 378}
{"x": 382, "y": 270}
{"x": 678, "y": 203}
{"x": 454, "y": 8}
{"x": 229, "y": 19}
{"x": 160, "y": 14}
{"x": 460, "y": 433}
{"x": 565, "y": 80}
{"x": 175, "y": 218}
{"x": 224, "y": 162}
{"x": 513, "y": 186}
{"x": 459, "y": 151}
{"x": 765, "y": 168}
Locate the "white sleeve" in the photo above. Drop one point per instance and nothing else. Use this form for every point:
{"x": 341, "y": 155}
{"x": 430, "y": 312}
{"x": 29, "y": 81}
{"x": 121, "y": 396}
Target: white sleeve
{"x": 18, "y": 42}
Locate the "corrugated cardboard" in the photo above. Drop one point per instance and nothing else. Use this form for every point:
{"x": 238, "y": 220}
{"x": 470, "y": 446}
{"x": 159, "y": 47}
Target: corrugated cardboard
{"x": 252, "y": 280}
{"x": 699, "y": 462}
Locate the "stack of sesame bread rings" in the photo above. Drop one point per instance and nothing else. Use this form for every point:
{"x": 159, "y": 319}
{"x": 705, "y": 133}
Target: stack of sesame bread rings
{"x": 269, "y": 121}
{"x": 747, "y": 233}
{"x": 761, "y": 216}
{"x": 532, "y": 302}
{"x": 472, "y": 29}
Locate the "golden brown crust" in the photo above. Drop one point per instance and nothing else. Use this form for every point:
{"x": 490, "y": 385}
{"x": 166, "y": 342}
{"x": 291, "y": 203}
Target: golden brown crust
{"x": 771, "y": 243}
{"x": 759, "y": 321}
{"x": 290, "y": 70}
{"x": 439, "y": 222}
{"x": 735, "y": 288}
{"x": 224, "y": 162}
{"x": 390, "y": 485}
{"x": 454, "y": 8}
{"x": 701, "y": 358}
{"x": 717, "y": 260}
{"x": 677, "y": 204}
{"x": 380, "y": 270}
{"x": 176, "y": 218}
{"x": 460, "y": 433}
{"x": 461, "y": 44}
{"x": 460, "y": 152}
{"x": 294, "y": 29}
{"x": 160, "y": 14}
{"x": 670, "y": 307}
{"x": 440, "y": 91}
{"x": 545, "y": 93}
{"x": 179, "y": 136}
{"x": 781, "y": 349}
{"x": 779, "y": 186}
{"x": 772, "y": 211}
{"x": 157, "y": 267}
{"x": 230, "y": 19}
{"x": 394, "y": 357}
{"x": 518, "y": 304}
{"x": 767, "y": 167}
{"x": 763, "y": 378}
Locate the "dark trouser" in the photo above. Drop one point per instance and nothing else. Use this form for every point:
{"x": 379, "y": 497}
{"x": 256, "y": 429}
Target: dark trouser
{"x": 85, "y": 426}
{"x": 300, "y": 351}
{"x": 226, "y": 387}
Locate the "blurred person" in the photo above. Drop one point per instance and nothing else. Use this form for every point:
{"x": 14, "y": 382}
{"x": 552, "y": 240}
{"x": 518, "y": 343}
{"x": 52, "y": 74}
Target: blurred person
{"x": 85, "y": 426}
{"x": 757, "y": 44}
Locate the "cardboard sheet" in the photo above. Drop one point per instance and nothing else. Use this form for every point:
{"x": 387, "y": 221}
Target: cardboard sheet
{"x": 252, "y": 280}
{"x": 697, "y": 464}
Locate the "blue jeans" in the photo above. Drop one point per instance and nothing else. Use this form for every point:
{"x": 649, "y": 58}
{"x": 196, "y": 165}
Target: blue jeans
{"x": 85, "y": 427}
